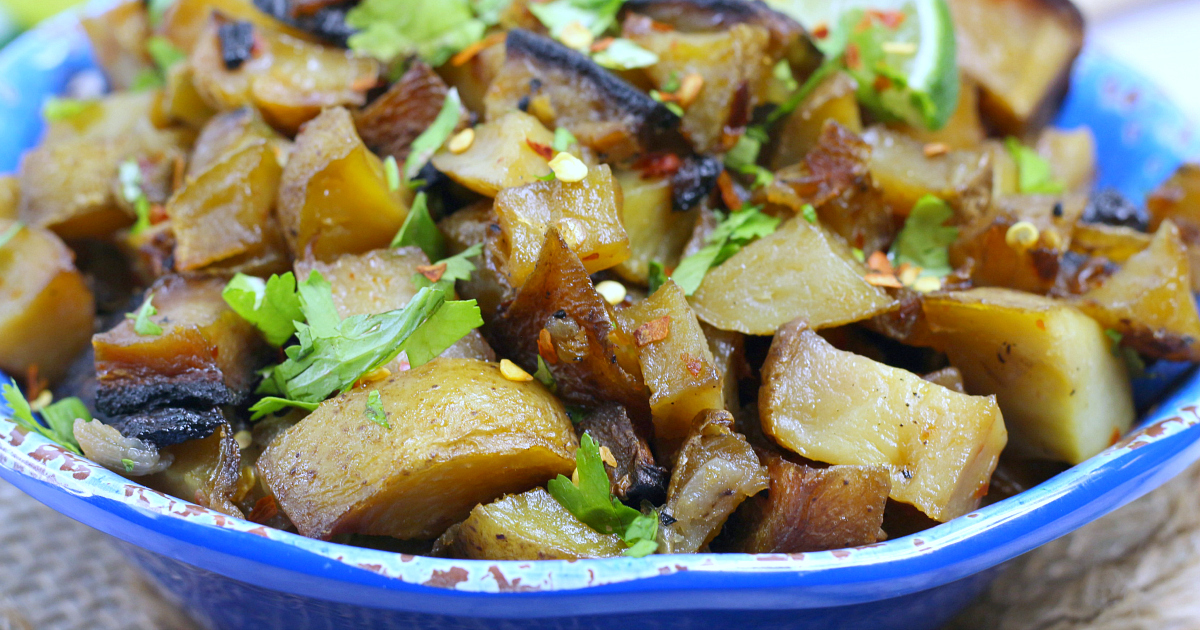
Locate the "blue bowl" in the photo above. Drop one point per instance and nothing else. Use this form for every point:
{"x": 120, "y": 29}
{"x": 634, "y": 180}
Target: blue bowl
{"x": 231, "y": 573}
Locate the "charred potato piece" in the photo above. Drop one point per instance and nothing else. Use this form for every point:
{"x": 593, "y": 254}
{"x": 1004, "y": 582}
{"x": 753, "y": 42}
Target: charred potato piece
{"x": 636, "y": 477}
{"x": 811, "y": 509}
{"x": 587, "y": 214}
{"x": 963, "y": 131}
{"x": 1178, "y": 199}
{"x": 528, "y": 526}
{"x": 334, "y": 197}
{"x": 204, "y": 472}
{"x": 460, "y": 434}
{"x": 118, "y": 37}
{"x": 656, "y": 232}
{"x": 488, "y": 285}
{"x": 603, "y": 112}
{"x": 676, "y": 363}
{"x": 46, "y": 307}
{"x": 1064, "y": 394}
{"x": 184, "y": 21}
{"x": 172, "y": 425}
{"x": 716, "y": 470}
{"x": 205, "y": 356}
{"x": 10, "y": 197}
{"x": 939, "y": 446}
{"x": 1149, "y": 300}
{"x": 391, "y": 122}
{"x": 904, "y": 173}
{"x": 798, "y": 271}
{"x": 592, "y": 359}
{"x": 504, "y": 154}
{"x": 734, "y": 67}
{"x": 833, "y": 100}
{"x": 1023, "y": 68}
{"x": 289, "y": 80}
{"x": 835, "y": 178}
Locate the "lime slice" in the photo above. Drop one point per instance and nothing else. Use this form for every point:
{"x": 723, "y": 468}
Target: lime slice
{"x": 901, "y": 53}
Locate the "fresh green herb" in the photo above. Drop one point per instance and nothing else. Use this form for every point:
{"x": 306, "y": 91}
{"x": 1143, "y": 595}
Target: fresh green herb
{"x": 731, "y": 235}
{"x": 60, "y": 416}
{"x": 164, "y": 53}
{"x": 431, "y": 29}
{"x": 595, "y": 15}
{"x": 623, "y": 54}
{"x": 814, "y": 80}
{"x": 672, "y": 84}
{"x": 268, "y": 405}
{"x": 489, "y": 11}
{"x": 141, "y": 319}
{"x": 128, "y": 464}
{"x": 1133, "y": 361}
{"x": 593, "y": 503}
{"x": 672, "y": 106}
{"x": 563, "y": 139}
{"x": 576, "y": 413}
{"x": 392, "y": 172}
{"x": 925, "y": 240}
{"x": 63, "y": 434}
{"x": 272, "y": 305}
{"x": 129, "y": 174}
{"x": 783, "y": 73}
{"x": 420, "y": 230}
{"x": 1115, "y": 337}
{"x": 744, "y": 152}
{"x": 858, "y": 254}
{"x": 375, "y": 410}
{"x": 1033, "y": 171}
{"x": 656, "y": 276}
{"x": 157, "y": 9}
{"x": 458, "y": 267}
{"x": 57, "y": 109}
{"x": 8, "y": 234}
{"x": 548, "y": 177}
{"x": 544, "y": 376}
{"x": 435, "y": 136}
{"x": 809, "y": 213}
{"x": 147, "y": 79}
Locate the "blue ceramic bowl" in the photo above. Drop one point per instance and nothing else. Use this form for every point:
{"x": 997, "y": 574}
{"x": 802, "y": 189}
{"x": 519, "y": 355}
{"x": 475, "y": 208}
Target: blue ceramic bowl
{"x": 230, "y": 573}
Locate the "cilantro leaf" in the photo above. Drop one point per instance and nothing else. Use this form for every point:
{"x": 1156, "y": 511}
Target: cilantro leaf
{"x": 420, "y": 230}
{"x": 448, "y": 324}
{"x": 744, "y": 152}
{"x": 1033, "y": 171}
{"x": 623, "y": 54}
{"x": 147, "y": 79}
{"x": 595, "y": 15}
{"x": 375, "y": 410}
{"x": 8, "y": 234}
{"x": 656, "y": 277}
{"x": 158, "y": 9}
{"x": 814, "y": 80}
{"x": 489, "y": 11}
{"x": 271, "y": 305}
{"x": 60, "y": 433}
{"x": 128, "y": 464}
{"x": 563, "y": 139}
{"x": 392, "y": 172}
{"x": 458, "y": 267}
{"x": 730, "y": 236}
{"x": 544, "y": 376}
{"x": 129, "y": 175}
{"x": 141, "y": 319}
{"x": 61, "y": 415}
{"x": 924, "y": 240}
{"x": 268, "y": 405}
{"x": 435, "y": 136}
{"x": 431, "y": 29}
{"x": 809, "y": 213}
{"x": 164, "y": 53}
{"x": 316, "y": 303}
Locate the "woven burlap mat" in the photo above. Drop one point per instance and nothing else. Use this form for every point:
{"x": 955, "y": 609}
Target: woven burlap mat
{"x": 1137, "y": 569}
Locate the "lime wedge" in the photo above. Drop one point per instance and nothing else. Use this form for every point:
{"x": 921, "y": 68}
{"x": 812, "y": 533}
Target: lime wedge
{"x": 901, "y": 53}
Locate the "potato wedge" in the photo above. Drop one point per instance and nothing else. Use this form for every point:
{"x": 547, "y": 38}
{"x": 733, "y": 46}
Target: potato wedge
{"x": 118, "y": 35}
{"x": 229, "y": 132}
{"x": 184, "y": 21}
{"x": 716, "y": 470}
{"x": 528, "y": 526}
{"x": 1178, "y": 199}
{"x": 1149, "y": 300}
{"x": 181, "y": 101}
{"x": 46, "y": 307}
{"x": 450, "y": 419}
{"x": 1064, "y": 395}
{"x": 798, "y": 133}
{"x": 831, "y": 406}
{"x": 636, "y": 477}
{"x": 390, "y": 123}
{"x": 204, "y": 472}
{"x": 503, "y": 155}
{"x": 473, "y": 77}
{"x": 904, "y": 173}
{"x": 334, "y": 197}
{"x": 729, "y": 357}
{"x": 656, "y": 231}
{"x": 799, "y": 271}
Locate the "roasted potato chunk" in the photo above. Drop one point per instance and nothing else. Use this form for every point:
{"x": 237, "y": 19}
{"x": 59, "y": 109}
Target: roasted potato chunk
{"x": 656, "y": 231}
{"x": 473, "y": 77}
{"x": 939, "y": 446}
{"x": 587, "y": 214}
{"x": 528, "y": 526}
{"x": 716, "y": 470}
{"x": 636, "y": 477}
{"x": 964, "y": 130}
{"x": 204, "y": 472}
{"x": 729, "y": 356}
{"x": 10, "y": 197}
{"x": 118, "y": 37}
{"x": 167, "y": 426}
{"x": 1115, "y": 243}
{"x": 1178, "y": 199}
{"x": 449, "y": 420}
{"x": 229, "y": 132}
{"x": 46, "y": 307}
{"x": 904, "y": 173}
{"x": 181, "y": 101}
{"x": 205, "y": 356}
{"x": 1064, "y": 395}
{"x": 811, "y": 509}
{"x": 1150, "y": 302}
{"x": 798, "y": 133}
{"x": 391, "y": 122}
{"x": 798, "y": 271}
{"x": 185, "y": 21}
{"x": 334, "y": 197}
{"x": 504, "y": 154}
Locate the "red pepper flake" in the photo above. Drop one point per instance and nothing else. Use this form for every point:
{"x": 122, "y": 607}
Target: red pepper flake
{"x": 694, "y": 365}
{"x": 543, "y": 150}
{"x": 882, "y": 280}
{"x": 661, "y": 27}
{"x": 821, "y": 31}
{"x": 33, "y": 384}
{"x": 878, "y": 262}
{"x": 728, "y": 193}
{"x": 469, "y": 53}
{"x": 658, "y": 165}
{"x": 264, "y": 510}
{"x": 864, "y": 24}
{"x": 934, "y": 149}
{"x": 882, "y": 83}
{"x": 602, "y": 44}
{"x": 1041, "y": 325}
{"x": 653, "y": 330}
{"x": 158, "y": 213}
{"x": 853, "y": 57}
{"x": 591, "y": 257}
{"x": 1116, "y": 437}
{"x": 432, "y": 272}
{"x": 364, "y": 83}
{"x": 546, "y": 347}
{"x": 891, "y": 19}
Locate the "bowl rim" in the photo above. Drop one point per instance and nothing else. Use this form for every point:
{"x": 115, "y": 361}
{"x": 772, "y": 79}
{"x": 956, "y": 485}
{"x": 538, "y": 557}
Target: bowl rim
{"x": 1167, "y": 441}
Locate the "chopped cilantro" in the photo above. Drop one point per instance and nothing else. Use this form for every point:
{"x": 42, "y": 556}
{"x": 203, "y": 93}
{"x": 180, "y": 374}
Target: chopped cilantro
{"x": 375, "y": 410}
{"x": 60, "y": 432}
{"x": 656, "y": 276}
{"x": 783, "y": 73}
{"x": 8, "y": 234}
{"x": 392, "y": 172}
{"x": 576, "y": 413}
{"x": 268, "y": 405}
{"x": 731, "y": 235}
{"x": 814, "y": 80}
{"x": 57, "y": 109}
{"x": 164, "y": 53}
{"x": 563, "y": 139}
{"x": 272, "y": 305}
{"x": 595, "y": 15}
{"x": 431, "y": 29}
{"x": 1115, "y": 337}
{"x": 458, "y": 267}
{"x": 672, "y": 84}
{"x": 925, "y": 240}
{"x": 489, "y": 11}
{"x": 744, "y": 153}
{"x": 593, "y": 503}
{"x": 146, "y": 79}
{"x": 420, "y": 230}
{"x": 544, "y": 376}
{"x": 60, "y": 416}
{"x": 858, "y": 254}
{"x": 128, "y": 464}
{"x": 1133, "y": 361}
{"x": 1033, "y": 171}
{"x": 157, "y": 9}
{"x": 141, "y": 319}
{"x": 670, "y": 105}
{"x": 548, "y": 177}
{"x": 435, "y": 136}
{"x": 809, "y": 213}
{"x": 623, "y": 54}
{"x": 129, "y": 174}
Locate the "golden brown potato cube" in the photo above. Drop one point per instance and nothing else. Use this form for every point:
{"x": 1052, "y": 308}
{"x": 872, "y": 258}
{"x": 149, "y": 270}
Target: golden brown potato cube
{"x": 289, "y": 80}
{"x": 181, "y": 101}
{"x": 729, "y": 356}
{"x": 528, "y": 526}
{"x": 1149, "y": 300}
{"x": 1023, "y": 67}
{"x": 229, "y": 132}
{"x": 676, "y": 363}
{"x": 1115, "y": 243}
{"x": 473, "y": 77}
{"x": 656, "y": 232}
{"x": 832, "y": 100}
{"x": 460, "y": 434}
{"x": 204, "y": 471}
{"x": 334, "y": 197}
{"x": 118, "y": 35}
{"x": 504, "y": 154}
{"x": 716, "y": 470}
{"x": 635, "y": 477}
{"x": 1071, "y": 154}
{"x": 391, "y": 122}
{"x": 905, "y": 173}
{"x": 489, "y": 283}
{"x": 733, "y": 65}
{"x": 811, "y": 509}
{"x": 1064, "y": 394}
{"x": 798, "y": 271}
{"x": 46, "y": 307}
{"x": 10, "y": 197}
{"x": 205, "y": 356}
{"x": 121, "y": 115}
{"x": 587, "y": 214}
{"x": 184, "y": 21}
{"x": 964, "y": 130}
{"x": 1178, "y": 199}
{"x": 837, "y": 407}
